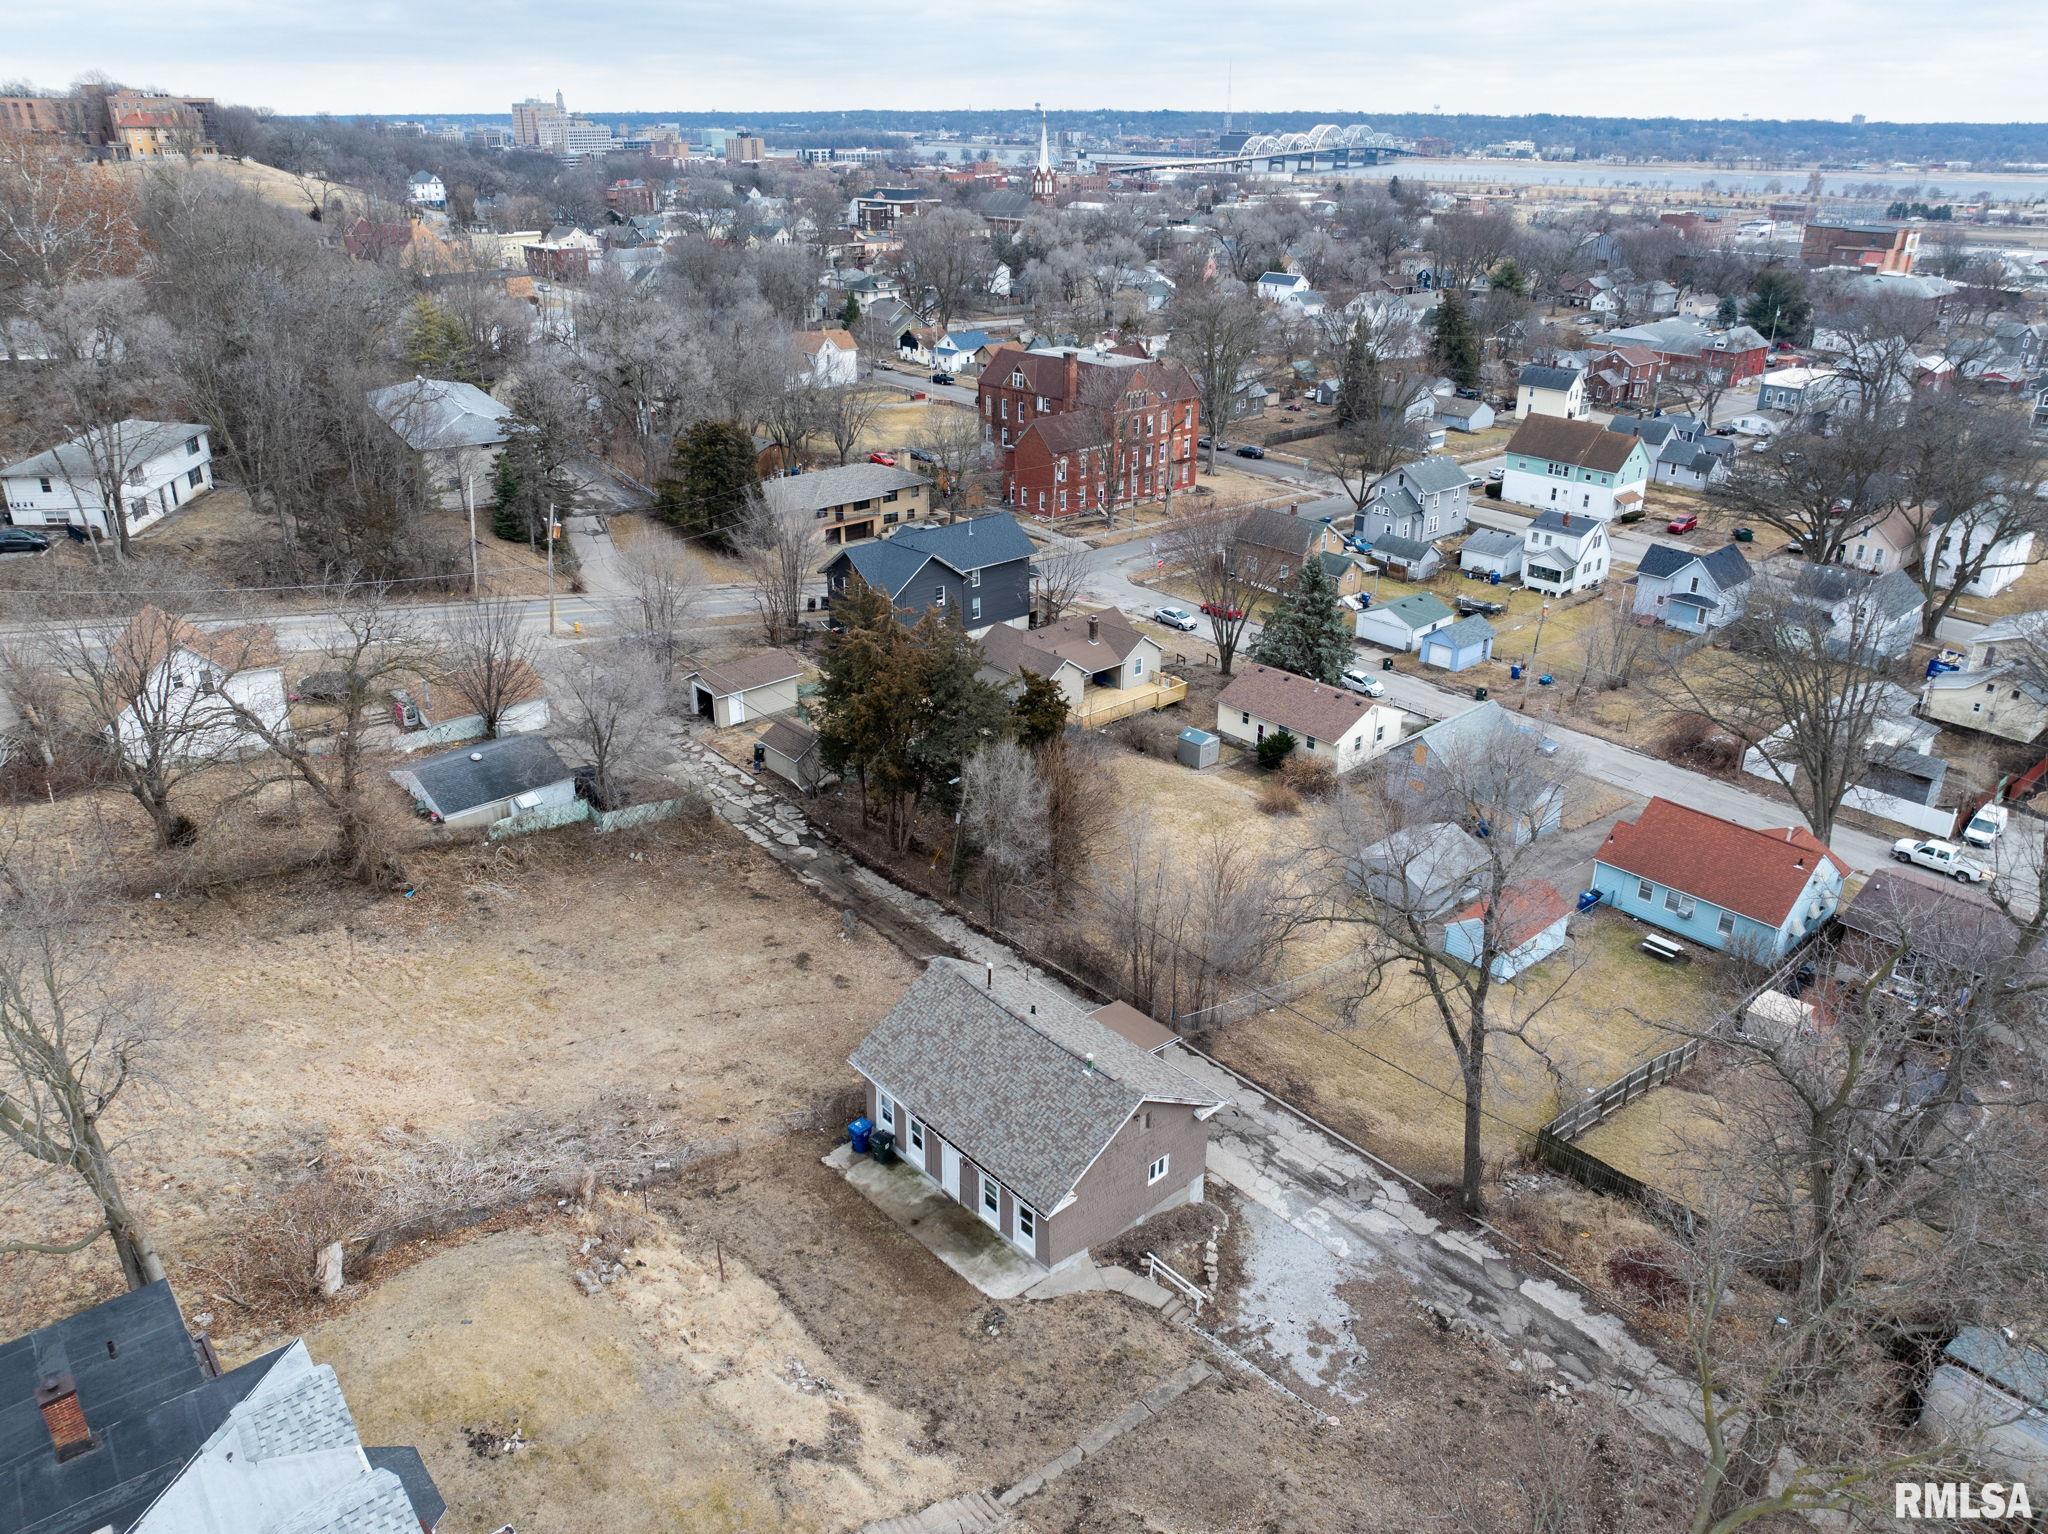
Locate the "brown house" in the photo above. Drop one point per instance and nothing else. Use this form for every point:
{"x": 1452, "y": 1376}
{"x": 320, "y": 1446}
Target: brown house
{"x": 1051, "y": 1124}
{"x": 1272, "y": 546}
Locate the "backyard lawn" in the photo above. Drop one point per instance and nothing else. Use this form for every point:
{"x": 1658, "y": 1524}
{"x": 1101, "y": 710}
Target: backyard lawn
{"x": 1385, "y": 1074}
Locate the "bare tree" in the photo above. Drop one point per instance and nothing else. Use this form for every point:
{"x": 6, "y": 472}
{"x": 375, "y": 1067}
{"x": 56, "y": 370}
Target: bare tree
{"x": 952, "y": 440}
{"x": 1397, "y": 858}
{"x": 1616, "y": 646}
{"x": 609, "y": 703}
{"x": 488, "y": 655}
{"x": 61, "y": 220}
{"x": 790, "y": 414}
{"x": 1965, "y": 498}
{"x": 781, "y": 546}
{"x": 72, "y": 1036}
{"x": 667, "y": 587}
{"x": 845, "y": 411}
{"x": 34, "y": 689}
{"x": 1878, "y": 1156}
{"x": 944, "y": 261}
{"x": 1207, "y": 546}
{"x": 1060, "y": 573}
{"x": 1818, "y": 486}
{"x": 1375, "y": 444}
{"x": 1004, "y": 805}
{"x": 1803, "y": 681}
{"x": 1215, "y": 334}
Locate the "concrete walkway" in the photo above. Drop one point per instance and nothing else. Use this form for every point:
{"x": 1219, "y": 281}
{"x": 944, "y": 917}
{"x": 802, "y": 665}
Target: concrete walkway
{"x": 1346, "y": 1203}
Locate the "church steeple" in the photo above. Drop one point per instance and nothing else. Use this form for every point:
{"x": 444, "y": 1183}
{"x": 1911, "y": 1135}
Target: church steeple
{"x": 1044, "y": 180}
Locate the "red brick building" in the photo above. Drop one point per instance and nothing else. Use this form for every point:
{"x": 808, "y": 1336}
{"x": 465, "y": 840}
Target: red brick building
{"x": 627, "y": 198}
{"x": 1873, "y": 247}
{"x": 1131, "y": 436}
{"x": 1623, "y": 375}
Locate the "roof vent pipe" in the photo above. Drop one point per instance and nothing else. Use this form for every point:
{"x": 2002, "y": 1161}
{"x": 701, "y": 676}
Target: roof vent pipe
{"x": 991, "y": 974}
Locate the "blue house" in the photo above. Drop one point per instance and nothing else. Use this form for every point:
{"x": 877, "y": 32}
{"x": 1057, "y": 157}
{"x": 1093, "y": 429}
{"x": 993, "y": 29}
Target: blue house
{"x": 1529, "y": 929}
{"x": 1465, "y": 644}
{"x": 1723, "y": 885}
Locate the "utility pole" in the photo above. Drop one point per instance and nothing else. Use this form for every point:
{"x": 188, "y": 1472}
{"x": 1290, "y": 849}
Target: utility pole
{"x": 469, "y": 506}
{"x": 554, "y": 531}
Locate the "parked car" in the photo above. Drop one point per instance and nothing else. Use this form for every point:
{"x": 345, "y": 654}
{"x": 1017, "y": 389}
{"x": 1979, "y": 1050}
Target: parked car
{"x": 1495, "y": 476}
{"x": 1250, "y": 450}
{"x": 19, "y": 540}
{"x": 1222, "y": 610}
{"x": 941, "y": 376}
{"x": 1468, "y": 394}
{"x": 1359, "y": 680}
{"x": 920, "y": 455}
{"x": 1175, "y": 618}
{"x": 1201, "y": 442}
{"x": 1987, "y": 825}
{"x": 1687, "y": 523}
{"x": 1942, "y": 857}
{"x": 886, "y": 460}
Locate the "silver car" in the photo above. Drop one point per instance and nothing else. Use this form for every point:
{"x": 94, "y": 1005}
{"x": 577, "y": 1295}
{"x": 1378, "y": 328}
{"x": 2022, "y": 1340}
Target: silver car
{"x": 1364, "y": 681}
{"x": 1175, "y": 618}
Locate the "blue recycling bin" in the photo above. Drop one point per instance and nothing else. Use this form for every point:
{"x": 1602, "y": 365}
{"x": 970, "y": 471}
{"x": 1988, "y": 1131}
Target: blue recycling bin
{"x": 1514, "y": 671}
{"x": 857, "y": 1133}
{"x": 1588, "y": 899}
{"x": 1493, "y": 577}
{"x": 1545, "y": 680}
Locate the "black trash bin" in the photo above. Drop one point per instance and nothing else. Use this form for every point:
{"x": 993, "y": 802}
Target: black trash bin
{"x": 882, "y": 1146}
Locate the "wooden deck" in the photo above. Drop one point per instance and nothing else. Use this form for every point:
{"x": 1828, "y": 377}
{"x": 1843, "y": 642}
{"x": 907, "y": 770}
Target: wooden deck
{"x": 1106, "y": 705}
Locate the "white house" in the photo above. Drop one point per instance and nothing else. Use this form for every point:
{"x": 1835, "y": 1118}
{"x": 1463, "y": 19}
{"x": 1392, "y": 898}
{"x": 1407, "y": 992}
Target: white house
{"x": 162, "y": 465}
{"x": 1995, "y": 691}
{"x": 1334, "y": 725}
{"x": 757, "y": 685}
{"x": 1563, "y": 553}
{"x": 1528, "y": 929}
{"x": 1960, "y": 540}
{"x": 488, "y": 781}
{"x": 425, "y": 189}
{"x": 457, "y": 430}
{"x": 1403, "y": 624}
{"x": 185, "y": 684}
{"x": 1291, "y": 290}
{"x": 1690, "y": 591}
{"x": 827, "y": 357}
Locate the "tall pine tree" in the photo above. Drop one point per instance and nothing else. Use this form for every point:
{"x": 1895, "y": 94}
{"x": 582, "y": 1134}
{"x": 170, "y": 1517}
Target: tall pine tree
{"x": 1306, "y": 632}
{"x": 1358, "y": 385}
{"x": 509, "y": 513}
{"x": 709, "y": 479}
{"x": 1454, "y": 347}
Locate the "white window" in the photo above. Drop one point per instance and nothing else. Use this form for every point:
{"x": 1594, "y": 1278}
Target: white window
{"x": 1144, "y": 1121}
{"x": 1679, "y": 905}
{"x": 1157, "y": 1170}
{"x": 1027, "y": 1223}
{"x": 885, "y": 1109}
{"x": 192, "y": 446}
{"x": 974, "y": 577}
{"x": 1644, "y": 891}
{"x": 44, "y": 484}
{"x": 1137, "y": 665}
{"x": 938, "y": 596}
{"x": 1726, "y": 924}
{"x": 991, "y": 1195}
{"x": 916, "y": 1134}
{"x": 974, "y": 603}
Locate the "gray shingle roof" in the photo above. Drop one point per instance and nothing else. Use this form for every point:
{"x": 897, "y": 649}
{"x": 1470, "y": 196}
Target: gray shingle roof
{"x": 1394, "y": 501}
{"x": 1536, "y": 377}
{"x": 134, "y": 443}
{"x": 1565, "y": 523}
{"x": 973, "y": 544}
{"x": 1725, "y": 564}
{"x": 460, "y": 780}
{"x": 1407, "y": 550}
{"x": 887, "y": 566}
{"x": 823, "y": 489}
{"x": 1489, "y": 543}
{"x": 1436, "y": 472}
{"x": 433, "y": 413}
{"x": 1005, "y": 1075}
{"x": 1466, "y": 631}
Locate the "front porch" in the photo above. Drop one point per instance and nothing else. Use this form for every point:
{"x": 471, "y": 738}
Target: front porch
{"x": 1106, "y": 705}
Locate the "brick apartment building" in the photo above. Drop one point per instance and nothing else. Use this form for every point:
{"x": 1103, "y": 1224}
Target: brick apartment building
{"x": 1072, "y": 434}
{"x": 1874, "y": 247}
{"x": 627, "y": 198}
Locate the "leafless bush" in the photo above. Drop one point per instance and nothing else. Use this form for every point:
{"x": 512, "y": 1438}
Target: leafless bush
{"x": 1693, "y": 740}
{"x": 1279, "y": 797}
{"x": 1147, "y": 734}
{"x": 1308, "y": 777}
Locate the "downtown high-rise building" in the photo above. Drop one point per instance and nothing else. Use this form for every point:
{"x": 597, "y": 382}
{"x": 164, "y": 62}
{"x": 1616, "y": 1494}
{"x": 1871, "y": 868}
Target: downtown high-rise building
{"x": 536, "y": 124}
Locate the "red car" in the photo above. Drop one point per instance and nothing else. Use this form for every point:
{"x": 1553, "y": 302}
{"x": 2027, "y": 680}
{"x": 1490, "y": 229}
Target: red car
{"x": 1684, "y": 524}
{"x": 888, "y": 460}
{"x": 1218, "y": 610}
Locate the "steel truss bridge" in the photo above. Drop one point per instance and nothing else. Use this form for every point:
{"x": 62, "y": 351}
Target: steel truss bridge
{"x": 1323, "y": 147}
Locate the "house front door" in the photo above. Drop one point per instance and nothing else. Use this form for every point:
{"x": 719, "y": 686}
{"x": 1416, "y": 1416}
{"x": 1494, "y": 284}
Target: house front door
{"x": 949, "y": 1169}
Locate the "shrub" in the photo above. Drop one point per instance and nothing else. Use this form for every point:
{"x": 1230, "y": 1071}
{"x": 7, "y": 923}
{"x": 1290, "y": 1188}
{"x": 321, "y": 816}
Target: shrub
{"x": 1276, "y": 797}
{"x": 1309, "y": 776}
{"x": 1275, "y": 749}
{"x": 1648, "y": 1274}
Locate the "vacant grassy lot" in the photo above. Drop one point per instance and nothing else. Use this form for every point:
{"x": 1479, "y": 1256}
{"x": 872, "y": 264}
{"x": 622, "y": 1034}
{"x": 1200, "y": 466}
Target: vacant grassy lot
{"x": 1380, "y": 1069}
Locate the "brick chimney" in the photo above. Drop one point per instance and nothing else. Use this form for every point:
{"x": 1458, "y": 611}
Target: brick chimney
{"x": 57, "y": 1400}
{"x": 1070, "y": 377}
{"x": 1094, "y": 628}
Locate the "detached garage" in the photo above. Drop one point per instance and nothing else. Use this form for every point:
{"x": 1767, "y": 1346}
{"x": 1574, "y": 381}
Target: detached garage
{"x": 753, "y": 686}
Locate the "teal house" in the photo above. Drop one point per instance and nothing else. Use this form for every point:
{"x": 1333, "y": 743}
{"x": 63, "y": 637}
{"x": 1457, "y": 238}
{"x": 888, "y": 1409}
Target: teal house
{"x": 1578, "y": 468}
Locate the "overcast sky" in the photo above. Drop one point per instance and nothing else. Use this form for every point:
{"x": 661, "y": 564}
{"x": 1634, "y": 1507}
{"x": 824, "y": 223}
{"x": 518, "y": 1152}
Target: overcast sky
{"x": 1903, "y": 60}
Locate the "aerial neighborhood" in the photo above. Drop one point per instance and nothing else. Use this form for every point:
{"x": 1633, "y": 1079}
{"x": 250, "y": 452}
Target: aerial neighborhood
{"x": 906, "y": 819}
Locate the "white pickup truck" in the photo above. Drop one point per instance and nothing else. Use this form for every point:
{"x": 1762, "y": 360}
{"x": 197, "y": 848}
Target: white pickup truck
{"x": 1942, "y": 857}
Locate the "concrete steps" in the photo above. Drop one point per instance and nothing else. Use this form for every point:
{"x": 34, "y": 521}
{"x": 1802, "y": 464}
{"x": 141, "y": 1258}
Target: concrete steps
{"x": 975, "y": 1513}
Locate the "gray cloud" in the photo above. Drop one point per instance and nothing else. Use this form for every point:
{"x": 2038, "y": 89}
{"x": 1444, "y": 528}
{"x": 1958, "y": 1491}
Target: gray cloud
{"x": 1892, "y": 59}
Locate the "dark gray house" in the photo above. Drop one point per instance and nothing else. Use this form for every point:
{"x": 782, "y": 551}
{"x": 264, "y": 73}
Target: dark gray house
{"x": 1425, "y": 500}
{"x": 976, "y": 572}
{"x": 119, "y": 1418}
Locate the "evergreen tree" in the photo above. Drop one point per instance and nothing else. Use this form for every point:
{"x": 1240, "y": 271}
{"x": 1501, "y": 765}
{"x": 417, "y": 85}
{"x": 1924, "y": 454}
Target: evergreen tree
{"x": 1275, "y": 749}
{"x": 1454, "y": 348}
{"x": 509, "y": 513}
{"x": 1040, "y": 711}
{"x": 849, "y": 313}
{"x": 1508, "y": 277}
{"x": 1358, "y": 384}
{"x": 436, "y": 346}
{"x": 1778, "y": 307}
{"x": 1306, "y": 632}
{"x": 709, "y": 480}
{"x": 1726, "y": 312}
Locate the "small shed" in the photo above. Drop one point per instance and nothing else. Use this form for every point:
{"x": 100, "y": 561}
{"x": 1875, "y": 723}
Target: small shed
{"x": 1422, "y": 868}
{"x": 1412, "y": 559}
{"x": 1402, "y": 623}
{"x": 1529, "y": 928}
{"x": 1461, "y": 414}
{"x": 1460, "y": 647}
{"x": 1995, "y": 1392}
{"x": 750, "y": 686}
{"x": 1198, "y": 748}
{"x": 478, "y": 784}
{"x": 790, "y": 751}
{"x": 1492, "y": 552}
